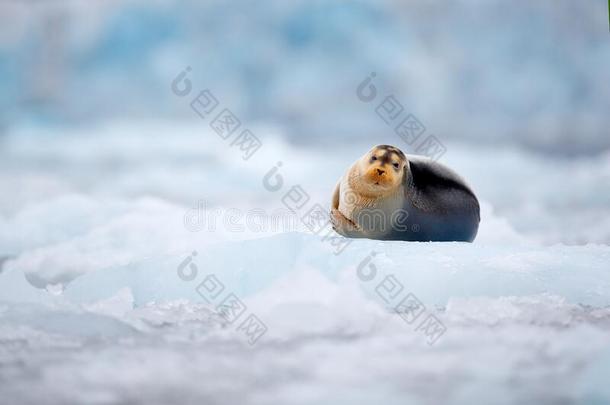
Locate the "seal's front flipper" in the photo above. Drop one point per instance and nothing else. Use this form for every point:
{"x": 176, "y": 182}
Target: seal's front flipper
{"x": 344, "y": 226}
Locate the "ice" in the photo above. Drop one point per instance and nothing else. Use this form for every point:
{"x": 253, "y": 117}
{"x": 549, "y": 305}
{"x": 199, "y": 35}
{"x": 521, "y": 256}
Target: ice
{"x": 118, "y": 330}
{"x": 438, "y": 271}
{"x": 16, "y": 288}
{"x": 93, "y": 308}
{"x": 132, "y": 265}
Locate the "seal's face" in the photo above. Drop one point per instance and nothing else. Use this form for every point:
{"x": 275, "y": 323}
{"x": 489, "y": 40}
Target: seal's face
{"x": 381, "y": 170}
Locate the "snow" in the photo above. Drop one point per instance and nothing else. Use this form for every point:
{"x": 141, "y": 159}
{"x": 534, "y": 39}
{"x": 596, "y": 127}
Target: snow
{"x": 122, "y": 243}
{"x": 95, "y": 309}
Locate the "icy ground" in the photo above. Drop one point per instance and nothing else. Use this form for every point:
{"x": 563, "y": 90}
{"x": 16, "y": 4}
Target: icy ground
{"x": 101, "y": 298}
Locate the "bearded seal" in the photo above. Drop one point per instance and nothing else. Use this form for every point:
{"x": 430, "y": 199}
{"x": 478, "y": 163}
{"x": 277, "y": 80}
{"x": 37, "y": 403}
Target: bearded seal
{"x": 388, "y": 195}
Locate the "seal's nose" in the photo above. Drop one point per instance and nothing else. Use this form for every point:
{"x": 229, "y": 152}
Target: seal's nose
{"x": 380, "y": 171}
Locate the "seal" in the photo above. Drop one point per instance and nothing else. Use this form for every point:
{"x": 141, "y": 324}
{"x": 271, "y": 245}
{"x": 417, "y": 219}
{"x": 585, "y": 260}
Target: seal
{"x": 388, "y": 195}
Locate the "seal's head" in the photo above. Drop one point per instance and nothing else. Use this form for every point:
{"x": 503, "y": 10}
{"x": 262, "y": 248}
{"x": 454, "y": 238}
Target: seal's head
{"x": 380, "y": 171}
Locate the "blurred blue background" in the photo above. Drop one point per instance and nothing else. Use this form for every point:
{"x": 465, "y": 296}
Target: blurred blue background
{"x": 517, "y": 92}
{"x": 532, "y": 73}
{"x": 102, "y": 164}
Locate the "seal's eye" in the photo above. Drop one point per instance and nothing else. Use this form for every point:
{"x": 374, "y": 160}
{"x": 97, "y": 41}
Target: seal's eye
{"x": 396, "y": 165}
{"x": 374, "y": 158}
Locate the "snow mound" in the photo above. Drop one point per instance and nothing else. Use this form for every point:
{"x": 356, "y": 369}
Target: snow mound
{"x": 327, "y": 324}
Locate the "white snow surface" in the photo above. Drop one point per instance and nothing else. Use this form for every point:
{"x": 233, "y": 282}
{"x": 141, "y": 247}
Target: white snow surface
{"x": 93, "y": 309}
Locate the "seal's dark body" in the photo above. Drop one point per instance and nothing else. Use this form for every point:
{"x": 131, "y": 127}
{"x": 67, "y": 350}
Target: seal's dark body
{"x": 440, "y": 206}
{"x": 436, "y": 205}
{"x": 432, "y": 203}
